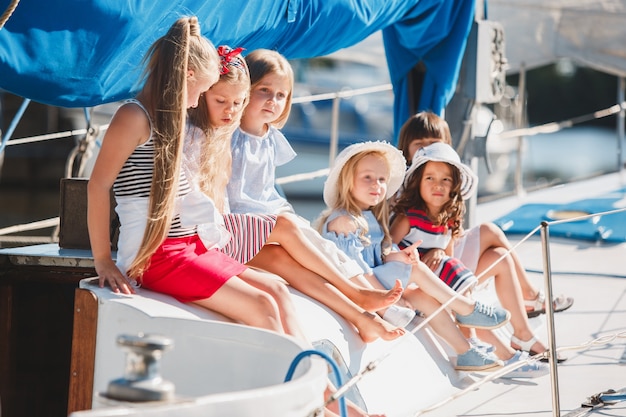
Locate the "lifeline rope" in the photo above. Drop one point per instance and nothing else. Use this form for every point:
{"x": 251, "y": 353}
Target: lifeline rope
{"x": 373, "y": 364}
{"x": 8, "y": 12}
{"x": 556, "y": 126}
{"x": 603, "y": 340}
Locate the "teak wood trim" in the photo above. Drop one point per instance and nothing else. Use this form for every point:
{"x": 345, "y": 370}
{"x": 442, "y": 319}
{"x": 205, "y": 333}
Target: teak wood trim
{"x": 83, "y": 350}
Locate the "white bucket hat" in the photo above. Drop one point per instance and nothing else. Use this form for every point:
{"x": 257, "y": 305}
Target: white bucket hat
{"x": 442, "y": 152}
{"x": 395, "y": 159}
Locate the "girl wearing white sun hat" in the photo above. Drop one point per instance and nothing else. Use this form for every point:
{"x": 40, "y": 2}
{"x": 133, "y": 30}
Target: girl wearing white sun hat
{"x": 430, "y": 210}
{"x": 394, "y": 158}
{"x": 363, "y": 177}
{"x": 441, "y": 152}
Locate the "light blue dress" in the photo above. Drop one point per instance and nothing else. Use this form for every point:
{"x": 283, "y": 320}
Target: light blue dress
{"x": 369, "y": 257}
{"x": 251, "y": 187}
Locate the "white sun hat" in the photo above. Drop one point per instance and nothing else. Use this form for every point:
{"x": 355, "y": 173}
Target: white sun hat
{"x": 395, "y": 159}
{"x": 442, "y": 152}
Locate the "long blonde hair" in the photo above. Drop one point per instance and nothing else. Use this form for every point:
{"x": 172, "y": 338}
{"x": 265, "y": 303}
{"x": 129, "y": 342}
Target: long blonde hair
{"x": 346, "y": 201}
{"x": 168, "y": 60}
{"x": 216, "y": 157}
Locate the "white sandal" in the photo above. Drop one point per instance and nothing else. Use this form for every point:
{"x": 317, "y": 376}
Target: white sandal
{"x": 526, "y": 346}
{"x": 537, "y": 306}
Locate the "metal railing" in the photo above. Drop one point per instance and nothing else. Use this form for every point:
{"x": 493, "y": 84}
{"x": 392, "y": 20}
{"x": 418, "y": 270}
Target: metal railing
{"x": 336, "y": 98}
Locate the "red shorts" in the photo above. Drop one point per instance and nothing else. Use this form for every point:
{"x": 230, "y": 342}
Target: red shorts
{"x": 249, "y": 233}
{"x": 186, "y": 270}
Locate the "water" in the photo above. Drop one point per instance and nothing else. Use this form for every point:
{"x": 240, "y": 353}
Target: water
{"x": 19, "y": 206}
{"x": 22, "y": 206}
{"x": 309, "y": 208}
{"x": 577, "y": 152}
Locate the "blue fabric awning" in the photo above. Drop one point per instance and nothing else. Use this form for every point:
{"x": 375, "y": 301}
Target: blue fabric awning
{"x": 78, "y": 53}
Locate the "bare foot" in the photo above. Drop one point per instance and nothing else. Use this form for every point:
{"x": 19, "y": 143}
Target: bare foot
{"x": 371, "y": 327}
{"x": 372, "y": 299}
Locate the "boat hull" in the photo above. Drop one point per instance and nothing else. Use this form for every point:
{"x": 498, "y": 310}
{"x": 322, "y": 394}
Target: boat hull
{"x": 217, "y": 367}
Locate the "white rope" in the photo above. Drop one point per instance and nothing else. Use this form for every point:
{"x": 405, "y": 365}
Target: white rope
{"x": 342, "y": 94}
{"x": 600, "y": 341}
{"x": 556, "y": 126}
{"x": 304, "y": 176}
{"x": 51, "y": 136}
{"x": 373, "y": 364}
{"x": 27, "y": 240}
{"x": 42, "y": 224}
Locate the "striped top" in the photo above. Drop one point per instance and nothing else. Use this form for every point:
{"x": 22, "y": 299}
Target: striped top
{"x": 422, "y": 228}
{"x": 135, "y": 179}
{"x": 450, "y": 270}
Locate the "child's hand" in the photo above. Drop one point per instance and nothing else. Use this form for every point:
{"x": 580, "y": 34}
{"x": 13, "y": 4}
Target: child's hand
{"x": 433, "y": 258}
{"x": 108, "y": 273}
{"x": 411, "y": 252}
{"x": 407, "y": 255}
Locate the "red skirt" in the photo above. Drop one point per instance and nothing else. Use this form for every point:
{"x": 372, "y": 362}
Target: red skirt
{"x": 186, "y": 270}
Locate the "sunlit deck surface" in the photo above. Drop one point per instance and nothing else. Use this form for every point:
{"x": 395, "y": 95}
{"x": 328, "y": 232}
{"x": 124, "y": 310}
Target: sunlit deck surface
{"x": 592, "y": 334}
{"x": 586, "y": 272}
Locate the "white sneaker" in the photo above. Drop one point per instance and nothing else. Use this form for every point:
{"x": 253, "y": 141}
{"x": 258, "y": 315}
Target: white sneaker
{"x": 533, "y": 369}
{"x": 398, "y": 316}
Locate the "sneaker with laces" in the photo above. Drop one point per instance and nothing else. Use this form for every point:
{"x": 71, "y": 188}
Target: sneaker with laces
{"x": 476, "y": 360}
{"x": 484, "y": 317}
{"x": 479, "y": 344}
{"x": 532, "y": 369}
{"x": 398, "y": 316}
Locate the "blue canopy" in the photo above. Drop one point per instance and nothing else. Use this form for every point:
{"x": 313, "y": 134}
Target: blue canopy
{"x": 79, "y": 53}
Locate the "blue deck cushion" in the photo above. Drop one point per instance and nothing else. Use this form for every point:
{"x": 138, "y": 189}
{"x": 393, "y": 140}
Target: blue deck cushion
{"x": 607, "y": 228}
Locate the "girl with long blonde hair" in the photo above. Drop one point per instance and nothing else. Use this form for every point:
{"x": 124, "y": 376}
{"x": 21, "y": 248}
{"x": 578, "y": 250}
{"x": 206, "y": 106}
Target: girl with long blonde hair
{"x": 141, "y": 159}
{"x": 365, "y": 175}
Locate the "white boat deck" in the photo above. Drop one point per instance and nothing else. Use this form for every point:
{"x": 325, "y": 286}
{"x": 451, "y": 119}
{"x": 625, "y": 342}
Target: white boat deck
{"x": 598, "y": 314}
{"x": 592, "y": 334}
{"x": 414, "y": 375}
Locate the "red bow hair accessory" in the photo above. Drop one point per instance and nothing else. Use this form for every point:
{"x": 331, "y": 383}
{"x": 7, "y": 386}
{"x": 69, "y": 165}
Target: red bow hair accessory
{"x": 227, "y": 54}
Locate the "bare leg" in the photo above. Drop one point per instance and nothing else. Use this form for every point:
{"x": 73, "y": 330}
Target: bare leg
{"x": 275, "y": 259}
{"x": 442, "y": 323}
{"x": 277, "y": 289}
{"x": 509, "y": 293}
{"x": 502, "y": 350}
{"x": 287, "y": 233}
{"x": 370, "y": 279}
{"x": 241, "y": 302}
{"x": 491, "y": 236}
{"x": 436, "y": 288}
{"x": 353, "y": 410}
